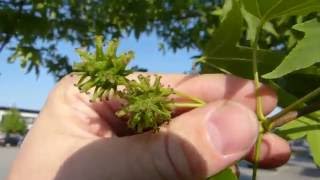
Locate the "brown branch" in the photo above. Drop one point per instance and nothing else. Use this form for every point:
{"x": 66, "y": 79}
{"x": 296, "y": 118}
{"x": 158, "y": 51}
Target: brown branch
{"x": 292, "y": 115}
{"x": 309, "y": 109}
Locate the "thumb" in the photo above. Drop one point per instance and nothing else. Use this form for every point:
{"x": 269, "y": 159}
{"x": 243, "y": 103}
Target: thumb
{"x": 194, "y": 145}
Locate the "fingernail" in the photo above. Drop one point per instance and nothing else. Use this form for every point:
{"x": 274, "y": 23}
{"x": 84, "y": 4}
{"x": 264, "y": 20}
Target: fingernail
{"x": 232, "y": 128}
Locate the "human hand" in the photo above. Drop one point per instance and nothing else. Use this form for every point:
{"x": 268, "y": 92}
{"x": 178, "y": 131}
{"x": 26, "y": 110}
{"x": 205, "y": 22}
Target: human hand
{"x": 75, "y": 139}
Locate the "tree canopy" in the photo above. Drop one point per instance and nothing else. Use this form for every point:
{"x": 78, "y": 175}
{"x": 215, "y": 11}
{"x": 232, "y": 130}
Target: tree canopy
{"x": 31, "y": 30}
{"x": 12, "y": 122}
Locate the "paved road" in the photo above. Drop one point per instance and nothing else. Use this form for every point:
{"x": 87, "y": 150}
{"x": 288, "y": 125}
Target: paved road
{"x": 7, "y": 155}
{"x": 298, "y": 168}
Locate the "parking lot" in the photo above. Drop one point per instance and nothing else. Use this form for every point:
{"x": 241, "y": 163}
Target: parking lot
{"x": 7, "y": 155}
{"x": 298, "y": 168}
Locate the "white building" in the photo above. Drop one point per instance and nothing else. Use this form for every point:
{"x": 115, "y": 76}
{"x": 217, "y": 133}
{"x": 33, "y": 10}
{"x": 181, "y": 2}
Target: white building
{"x": 27, "y": 114}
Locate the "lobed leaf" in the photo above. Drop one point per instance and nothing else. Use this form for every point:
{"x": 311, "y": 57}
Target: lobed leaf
{"x": 314, "y": 144}
{"x": 222, "y": 39}
{"x": 253, "y": 23}
{"x": 223, "y": 53}
{"x": 296, "y": 129}
{"x": 304, "y": 127}
{"x": 305, "y": 54}
{"x": 269, "y": 9}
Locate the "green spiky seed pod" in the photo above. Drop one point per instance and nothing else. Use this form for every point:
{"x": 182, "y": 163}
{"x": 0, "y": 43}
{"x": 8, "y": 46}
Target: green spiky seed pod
{"x": 148, "y": 104}
{"x": 102, "y": 72}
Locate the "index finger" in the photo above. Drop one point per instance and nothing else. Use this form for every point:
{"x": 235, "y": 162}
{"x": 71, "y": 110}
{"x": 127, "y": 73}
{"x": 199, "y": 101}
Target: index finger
{"x": 212, "y": 87}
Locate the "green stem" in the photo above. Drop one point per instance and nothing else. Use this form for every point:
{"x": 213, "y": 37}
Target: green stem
{"x": 256, "y": 159}
{"x": 195, "y": 99}
{"x": 291, "y": 107}
{"x": 259, "y": 106}
{"x": 204, "y": 61}
{"x": 188, "y": 105}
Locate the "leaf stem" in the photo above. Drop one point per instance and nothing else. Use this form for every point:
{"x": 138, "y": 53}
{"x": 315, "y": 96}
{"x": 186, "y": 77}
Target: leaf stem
{"x": 255, "y": 47}
{"x": 269, "y": 123}
{"x": 257, "y": 150}
{"x": 195, "y": 99}
{"x": 259, "y": 108}
{"x": 204, "y": 61}
{"x": 309, "y": 109}
{"x": 187, "y": 105}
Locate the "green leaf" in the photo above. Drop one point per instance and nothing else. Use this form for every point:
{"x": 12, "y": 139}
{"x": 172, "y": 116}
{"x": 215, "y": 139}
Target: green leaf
{"x": 296, "y": 129}
{"x": 284, "y": 97}
{"x": 30, "y": 58}
{"x": 222, "y": 39}
{"x": 253, "y": 23}
{"x": 308, "y": 127}
{"x": 269, "y": 9}
{"x": 238, "y": 61}
{"x": 305, "y": 54}
{"x": 314, "y": 144}
{"x": 226, "y": 174}
{"x": 300, "y": 127}
{"x": 223, "y": 54}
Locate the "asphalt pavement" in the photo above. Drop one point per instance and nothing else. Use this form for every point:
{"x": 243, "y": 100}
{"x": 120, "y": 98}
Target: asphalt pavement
{"x": 298, "y": 168}
{"x": 7, "y": 155}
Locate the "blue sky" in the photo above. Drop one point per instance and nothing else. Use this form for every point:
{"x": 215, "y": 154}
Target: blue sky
{"x": 27, "y": 91}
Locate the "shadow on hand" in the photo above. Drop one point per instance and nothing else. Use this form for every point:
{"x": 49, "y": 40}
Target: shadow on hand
{"x": 143, "y": 156}
{"x": 235, "y": 84}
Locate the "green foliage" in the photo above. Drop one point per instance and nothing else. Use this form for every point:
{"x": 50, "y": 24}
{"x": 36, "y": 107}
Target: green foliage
{"x": 225, "y": 174}
{"x": 269, "y": 9}
{"x": 253, "y": 23}
{"x": 31, "y": 29}
{"x": 295, "y": 70}
{"x": 12, "y": 122}
{"x": 314, "y": 144}
{"x": 26, "y": 54}
{"x": 39, "y": 25}
{"x": 303, "y": 127}
{"x": 223, "y": 50}
{"x": 226, "y": 52}
{"x": 297, "y": 129}
{"x": 305, "y": 54}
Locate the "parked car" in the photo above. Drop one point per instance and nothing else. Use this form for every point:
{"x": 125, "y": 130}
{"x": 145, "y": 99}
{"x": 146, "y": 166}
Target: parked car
{"x": 11, "y": 140}
{"x": 300, "y": 148}
{"x": 2, "y": 139}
